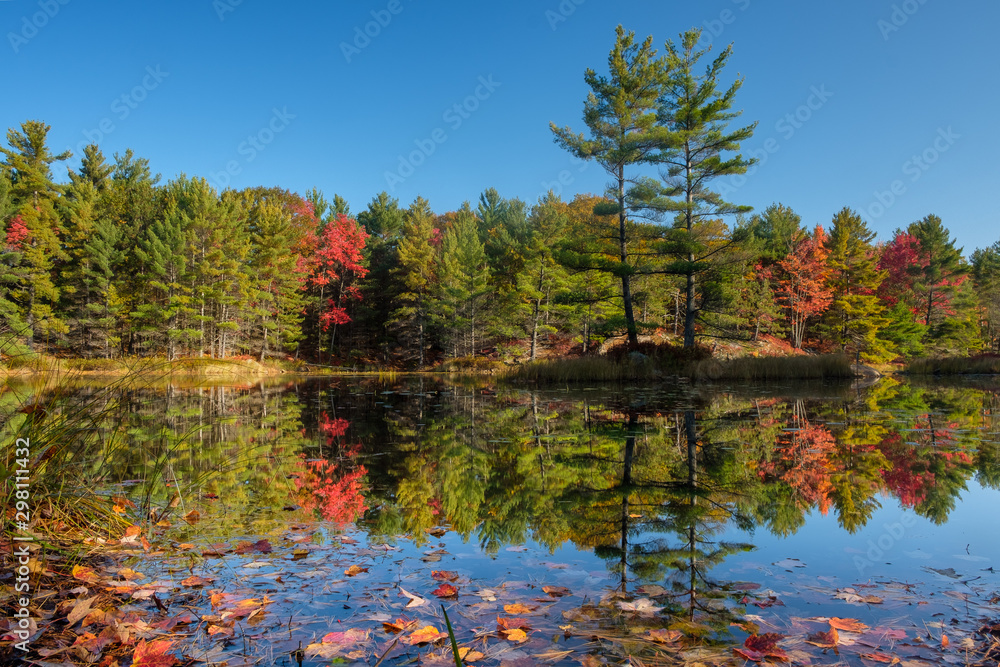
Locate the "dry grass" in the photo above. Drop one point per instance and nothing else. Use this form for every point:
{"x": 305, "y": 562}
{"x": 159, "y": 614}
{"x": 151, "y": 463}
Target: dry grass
{"x": 983, "y": 364}
{"x": 763, "y": 369}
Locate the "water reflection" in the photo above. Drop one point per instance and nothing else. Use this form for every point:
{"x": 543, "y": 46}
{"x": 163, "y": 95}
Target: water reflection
{"x": 651, "y": 481}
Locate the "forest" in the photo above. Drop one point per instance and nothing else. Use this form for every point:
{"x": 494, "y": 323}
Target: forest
{"x": 116, "y": 263}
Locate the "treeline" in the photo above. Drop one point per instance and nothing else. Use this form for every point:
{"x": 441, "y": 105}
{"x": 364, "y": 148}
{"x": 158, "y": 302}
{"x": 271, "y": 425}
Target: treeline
{"x": 114, "y": 263}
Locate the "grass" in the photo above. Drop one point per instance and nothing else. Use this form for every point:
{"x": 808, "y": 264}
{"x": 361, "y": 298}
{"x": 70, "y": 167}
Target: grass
{"x": 983, "y": 364}
{"x": 653, "y": 361}
{"x": 763, "y": 369}
{"x": 132, "y": 366}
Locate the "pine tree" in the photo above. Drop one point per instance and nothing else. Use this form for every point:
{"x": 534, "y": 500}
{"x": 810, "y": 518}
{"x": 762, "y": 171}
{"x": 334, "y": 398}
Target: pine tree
{"x": 463, "y": 285}
{"x": 695, "y": 114}
{"x": 35, "y": 197}
{"x": 855, "y": 316}
{"x": 620, "y": 113}
{"x": 417, "y": 274}
{"x": 383, "y": 221}
{"x": 940, "y": 270}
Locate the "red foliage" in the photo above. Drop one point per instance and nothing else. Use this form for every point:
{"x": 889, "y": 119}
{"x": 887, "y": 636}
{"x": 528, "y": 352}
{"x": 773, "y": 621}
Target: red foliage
{"x": 335, "y": 494}
{"x": 801, "y": 459}
{"x": 336, "y": 262}
{"x": 800, "y": 283}
{"x": 17, "y": 232}
{"x": 897, "y": 259}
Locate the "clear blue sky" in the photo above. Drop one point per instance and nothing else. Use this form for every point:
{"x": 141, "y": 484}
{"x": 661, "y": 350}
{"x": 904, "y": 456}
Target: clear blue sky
{"x": 200, "y": 77}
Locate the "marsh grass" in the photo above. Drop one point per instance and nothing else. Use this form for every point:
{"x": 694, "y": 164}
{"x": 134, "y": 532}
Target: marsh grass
{"x": 983, "y": 364}
{"x": 763, "y": 369}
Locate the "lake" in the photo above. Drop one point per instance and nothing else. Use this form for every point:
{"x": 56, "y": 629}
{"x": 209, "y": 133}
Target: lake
{"x": 328, "y": 520}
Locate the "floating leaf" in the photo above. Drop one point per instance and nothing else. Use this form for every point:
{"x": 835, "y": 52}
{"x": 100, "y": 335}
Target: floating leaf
{"x": 443, "y": 575}
{"x": 469, "y": 655}
{"x": 355, "y": 570}
{"x": 664, "y": 636}
{"x": 518, "y": 608}
{"x": 415, "y": 601}
{"x": 642, "y": 606}
{"x": 445, "y": 591}
{"x": 825, "y": 639}
{"x": 399, "y": 625}
{"x": 516, "y": 635}
{"x": 153, "y": 654}
{"x": 556, "y": 591}
{"x": 192, "y": 517}
{"x": 345, "y": 638}
{"x": 259, "y": 547}
{"x": 760, "y": 647}
{"x": 880, "y": 657}
{"x": 511, "y": 624}
{"x": 847, "y": 624}
{"x": 425, "y": 635}
{"x": 195, "y": 580}
{"x": 80, "y": 609}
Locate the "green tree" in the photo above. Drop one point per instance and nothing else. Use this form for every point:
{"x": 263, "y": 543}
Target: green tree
{"x": 855, "y": 316}
{"x": 383, "y": 220}
{"x": 463, "y": 285}
{"x": 417, "y": 274}
{"x": 621, "y": 114}
{"x": 695, "y": 114}
{"x": 986, "y": 279}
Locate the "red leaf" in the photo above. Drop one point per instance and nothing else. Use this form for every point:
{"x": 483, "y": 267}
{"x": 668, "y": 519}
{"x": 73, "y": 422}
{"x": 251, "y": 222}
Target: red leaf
{"x": 153, "y": 654}
{"x": 445, "y": 591}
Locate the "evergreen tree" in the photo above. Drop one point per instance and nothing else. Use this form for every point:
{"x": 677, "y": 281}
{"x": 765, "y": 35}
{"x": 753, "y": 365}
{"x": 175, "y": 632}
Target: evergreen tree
{"x": 940, "y": 270}
{"x": 621, "y": 114}
{"x": 416, "y": 272}
{"x": 695, "y": 114}
{"x": 986, "y": 279}
{"x": 463, "y": 285}
{"x": 383, "y": 221}
{"x": 854, "y": 318}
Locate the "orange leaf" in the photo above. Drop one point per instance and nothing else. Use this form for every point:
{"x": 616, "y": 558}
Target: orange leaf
{"x": 399, "y": 625}
{"x": 443, "y": 575}
{"x": 515, "y": 635}
{"x": 825, "y": 639}
{"x": 355, "y": 570}
{"x": 511, "y": 623}
{"x": 847, "y": 624}
{"x": 468, "y": 655}
{"x": 425, "y": 635}
{"x": 556, "y": 591}
{"x": 192, "y": 517}
{"x": 880, "y": 657}
{"x": 153, "y": 654}
{"x": 944, "y": 640}
{"x": 445, "y": 591}
{"x": 518, "y": 608}
{"x": 196, "y": 581}
{"x": 85, "y": 574}
{"x": 665, "y": 636}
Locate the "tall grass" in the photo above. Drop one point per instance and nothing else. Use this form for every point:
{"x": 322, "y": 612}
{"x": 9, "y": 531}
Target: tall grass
{"x": 763, "y": 369}
{"x": 984, "y": 364}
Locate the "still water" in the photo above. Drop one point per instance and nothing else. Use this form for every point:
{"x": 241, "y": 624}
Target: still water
{"x": 661, "y": 524}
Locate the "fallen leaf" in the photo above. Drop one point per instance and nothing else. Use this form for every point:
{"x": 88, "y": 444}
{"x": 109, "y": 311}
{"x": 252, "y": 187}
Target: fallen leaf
{"x": 664, "y": 636}
{"x": 443, "y": 575}
{"x": 260, "y": 547}
{"x": 415, "y": 600}
{"x": 518, "y": 608}
{"x": 880, "y": 657}
{"x": 642, "y": 606}
{"x": 825, "y": 639}
{"x": 445, "y": 591}
{"x": 80, "y": 609}
{"x": 760, "y": 647}
{"x": 196, "y": 581}
{"x": 515, "y": 635}
{"x": 556, "y": 591}
{"x": 85, "y": 574}
{"x": 425, "y": 635}
{"x": 345, "y": 638}
{"x": 944, "y": 640}
{"x": 192, "y": 517}
{"x": 504, "y": 624}
{"x": 469, "y": 655}
{"x": 153, "y": 654}
{"x": 355, "y": 570}
{"x": 847, "y": 624}
{"x": 399, "y": 625}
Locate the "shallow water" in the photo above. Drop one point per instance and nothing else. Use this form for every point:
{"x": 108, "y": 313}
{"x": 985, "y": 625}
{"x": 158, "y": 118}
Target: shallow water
{"x": 718, "y": 513}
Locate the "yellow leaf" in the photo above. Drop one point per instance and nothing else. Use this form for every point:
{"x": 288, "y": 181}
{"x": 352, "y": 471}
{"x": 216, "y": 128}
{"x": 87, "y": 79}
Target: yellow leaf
{"x": 516, "y": 635}
{"x": 517, "y": 608}
{"x": 426, "y": 634}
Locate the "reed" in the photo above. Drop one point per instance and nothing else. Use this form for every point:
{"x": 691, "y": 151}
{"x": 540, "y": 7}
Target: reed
{"x": 983, "y": 364}
{"x": 764, "y": 369}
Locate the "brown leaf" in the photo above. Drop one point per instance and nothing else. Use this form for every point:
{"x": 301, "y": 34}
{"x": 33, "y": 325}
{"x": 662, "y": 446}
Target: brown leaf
{"x": 80, "y": 609}
{"x": 664, "y": 636}
{"x": 355, "y": 570}
{"x": 195, "y": 580}
{"x": 445, "y": 591}
{"x": 153, "y": 654}
{"x": 511, "y": 624}
{"x": 415, "y": 600}
{"x": 556, "y": 591}
{"x": 259, "y": 547}
{"x": 345, "y": 638}
{"x": 85, "y": 574}
{"x": 825, "y": 639}
{"x": 401, "y": 624}
{"x": 192, "y": 517}
{"x": 469, "y": 655}
{"x": 518, "y": 608}
{"x": 443, "y": 575}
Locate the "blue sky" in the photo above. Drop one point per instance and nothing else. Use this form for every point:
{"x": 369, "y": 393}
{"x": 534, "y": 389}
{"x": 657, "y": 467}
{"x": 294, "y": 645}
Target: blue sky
{"x": 886, "y": 107}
